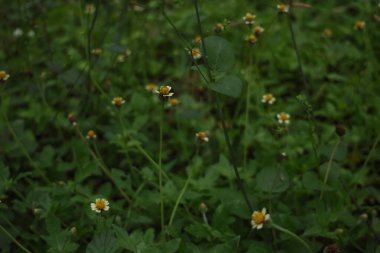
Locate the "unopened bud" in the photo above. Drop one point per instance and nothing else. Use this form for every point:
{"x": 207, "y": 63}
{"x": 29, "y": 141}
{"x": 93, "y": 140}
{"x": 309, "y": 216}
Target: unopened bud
{"x": 340, "y": 130}
{"x": 203, "y": 208}
{"x": 219, "y": 27}
{"x": 73, "y": 230}
{"x": 72, "y": 119}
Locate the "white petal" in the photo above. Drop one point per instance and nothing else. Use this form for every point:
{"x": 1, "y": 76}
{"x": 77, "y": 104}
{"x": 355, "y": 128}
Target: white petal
{"x": 267, "y": 216}
{"x": 264, "y": 211}
{"x": 260, "y": 226}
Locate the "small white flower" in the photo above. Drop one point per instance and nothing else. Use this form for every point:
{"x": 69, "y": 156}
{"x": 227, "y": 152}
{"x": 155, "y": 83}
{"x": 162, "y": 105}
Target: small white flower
{"x": 31, "y": 34}
{"x": 120, "y": 58}
{"x": 164, "y": 91}
{"x": 3, "y": 76}
{"x": 249, "y": 19}
{"x": 18, "y": 32}
{"x": 268, "y": 99}
{"x": 283, "y": 8}
{"x": 283, "y": 118}
{"x": 259, "y": 218}
{"x": 196, "y": 53}
{"x": 202, "y": 136}
{"x": 118, "y": 101}
{"x": 100, "y": 205}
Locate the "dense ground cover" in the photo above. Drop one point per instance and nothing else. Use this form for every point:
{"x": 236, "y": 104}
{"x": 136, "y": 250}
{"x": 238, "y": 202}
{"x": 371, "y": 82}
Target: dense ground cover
{"x": 275, "y": 110}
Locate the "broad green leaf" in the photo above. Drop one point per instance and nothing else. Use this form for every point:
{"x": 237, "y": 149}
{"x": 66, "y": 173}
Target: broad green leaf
{"x": 104, "y": 242}
{"x": 311, "y": 181}
{"x": 220, "y": 54}
{"x": 273, "y": 180}
{"x": 228, "y": 85}
{"x": 230, "y": 246}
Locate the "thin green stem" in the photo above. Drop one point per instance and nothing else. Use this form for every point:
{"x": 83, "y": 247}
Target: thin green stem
{"x": 246, "y": 118}
{"x": 296, "y": 48}
{"x": 221, "y": 116}
{"x": 14, "y": 240}
{"x": 180, "y": 196}
{"x": 139, "y": 148}
{"x": 160, "y": 173}
{"x": 286, "y": 231}
{"x": 329, "y": 164}
{"x": 374, "y": 146}
{"x": 303, "y": 76}
{"x": 96, "y": 156}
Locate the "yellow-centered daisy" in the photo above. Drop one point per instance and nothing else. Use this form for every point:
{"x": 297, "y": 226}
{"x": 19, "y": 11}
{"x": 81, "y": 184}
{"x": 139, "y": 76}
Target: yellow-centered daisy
{"x": 91, "y": 134}
{"x": 359, "y": 25}
{"x": 283, "y": 118}
{"x": 268, "y": 99}
{"x": 196, "y": 53}
{"x": 100, "y": 205}
{"x": 259, "y": 218}
{"x": 3, "y": 76}
{"x": 151, "y": 87}
{"x": 202, "y": 136}
{"x": 249, "y": 18}
{"x": 258, "y": 30}
{"x": 282, "y": 8}
{"x": 118, "y": 101}
{"x": 164, "y": 91}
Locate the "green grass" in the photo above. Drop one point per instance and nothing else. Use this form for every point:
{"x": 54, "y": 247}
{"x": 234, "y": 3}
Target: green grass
{"x": 167, "y": 190}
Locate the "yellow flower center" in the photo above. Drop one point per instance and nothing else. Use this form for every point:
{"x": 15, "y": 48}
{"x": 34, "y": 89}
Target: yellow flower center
{"x": 252, "y": 39}
{"x": 151, "y": 87}
{"x": 258, "y": 217}
{"x": 118, "y": 101}
{"x": 91, "y": 134}
{"x": 258, "y": 29}
{"x": 284, "y": 116}
{"x": 100, "y": 204}
{"x": 202, "y": 136}
{"x": 195, "y": 52}
{"x": 164, "y": 90}
{"x": 282, "y": 8}
{"x": 249, "y": 17}
{"x": 268, "y": 97}
{"x": 174, "y": 101}
{"x": 359, "y": 24}
{"x": 198, "y": 39}
{"x": 3, "y": 74}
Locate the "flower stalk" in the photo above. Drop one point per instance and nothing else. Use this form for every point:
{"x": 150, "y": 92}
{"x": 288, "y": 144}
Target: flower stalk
{"x": 286, "y": 231}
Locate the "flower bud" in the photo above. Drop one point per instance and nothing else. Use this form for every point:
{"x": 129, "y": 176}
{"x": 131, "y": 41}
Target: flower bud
{"x": 340, "y": 130}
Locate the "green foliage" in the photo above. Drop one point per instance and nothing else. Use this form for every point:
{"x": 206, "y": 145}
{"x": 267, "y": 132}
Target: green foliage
{"x": 317, "y": 184}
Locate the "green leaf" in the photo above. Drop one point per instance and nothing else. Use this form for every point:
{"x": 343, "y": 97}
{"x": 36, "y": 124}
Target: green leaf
{"x": 273, "y": 180}
{"x": 311, "y": 181}
{"x": 60, "y": 243}
{"x": 220, "y": 54}
{"x": 104, "y": 242}
{"x": 230, "y": 246}
{"x": 228, "y": 85}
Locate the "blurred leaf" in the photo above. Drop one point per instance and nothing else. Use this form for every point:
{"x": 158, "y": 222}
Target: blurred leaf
{"x": 220, "y": 54}
{"x": 104, "y": 242}
{"x": 228, "y": 85}
{"x": 272, "y": 180}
